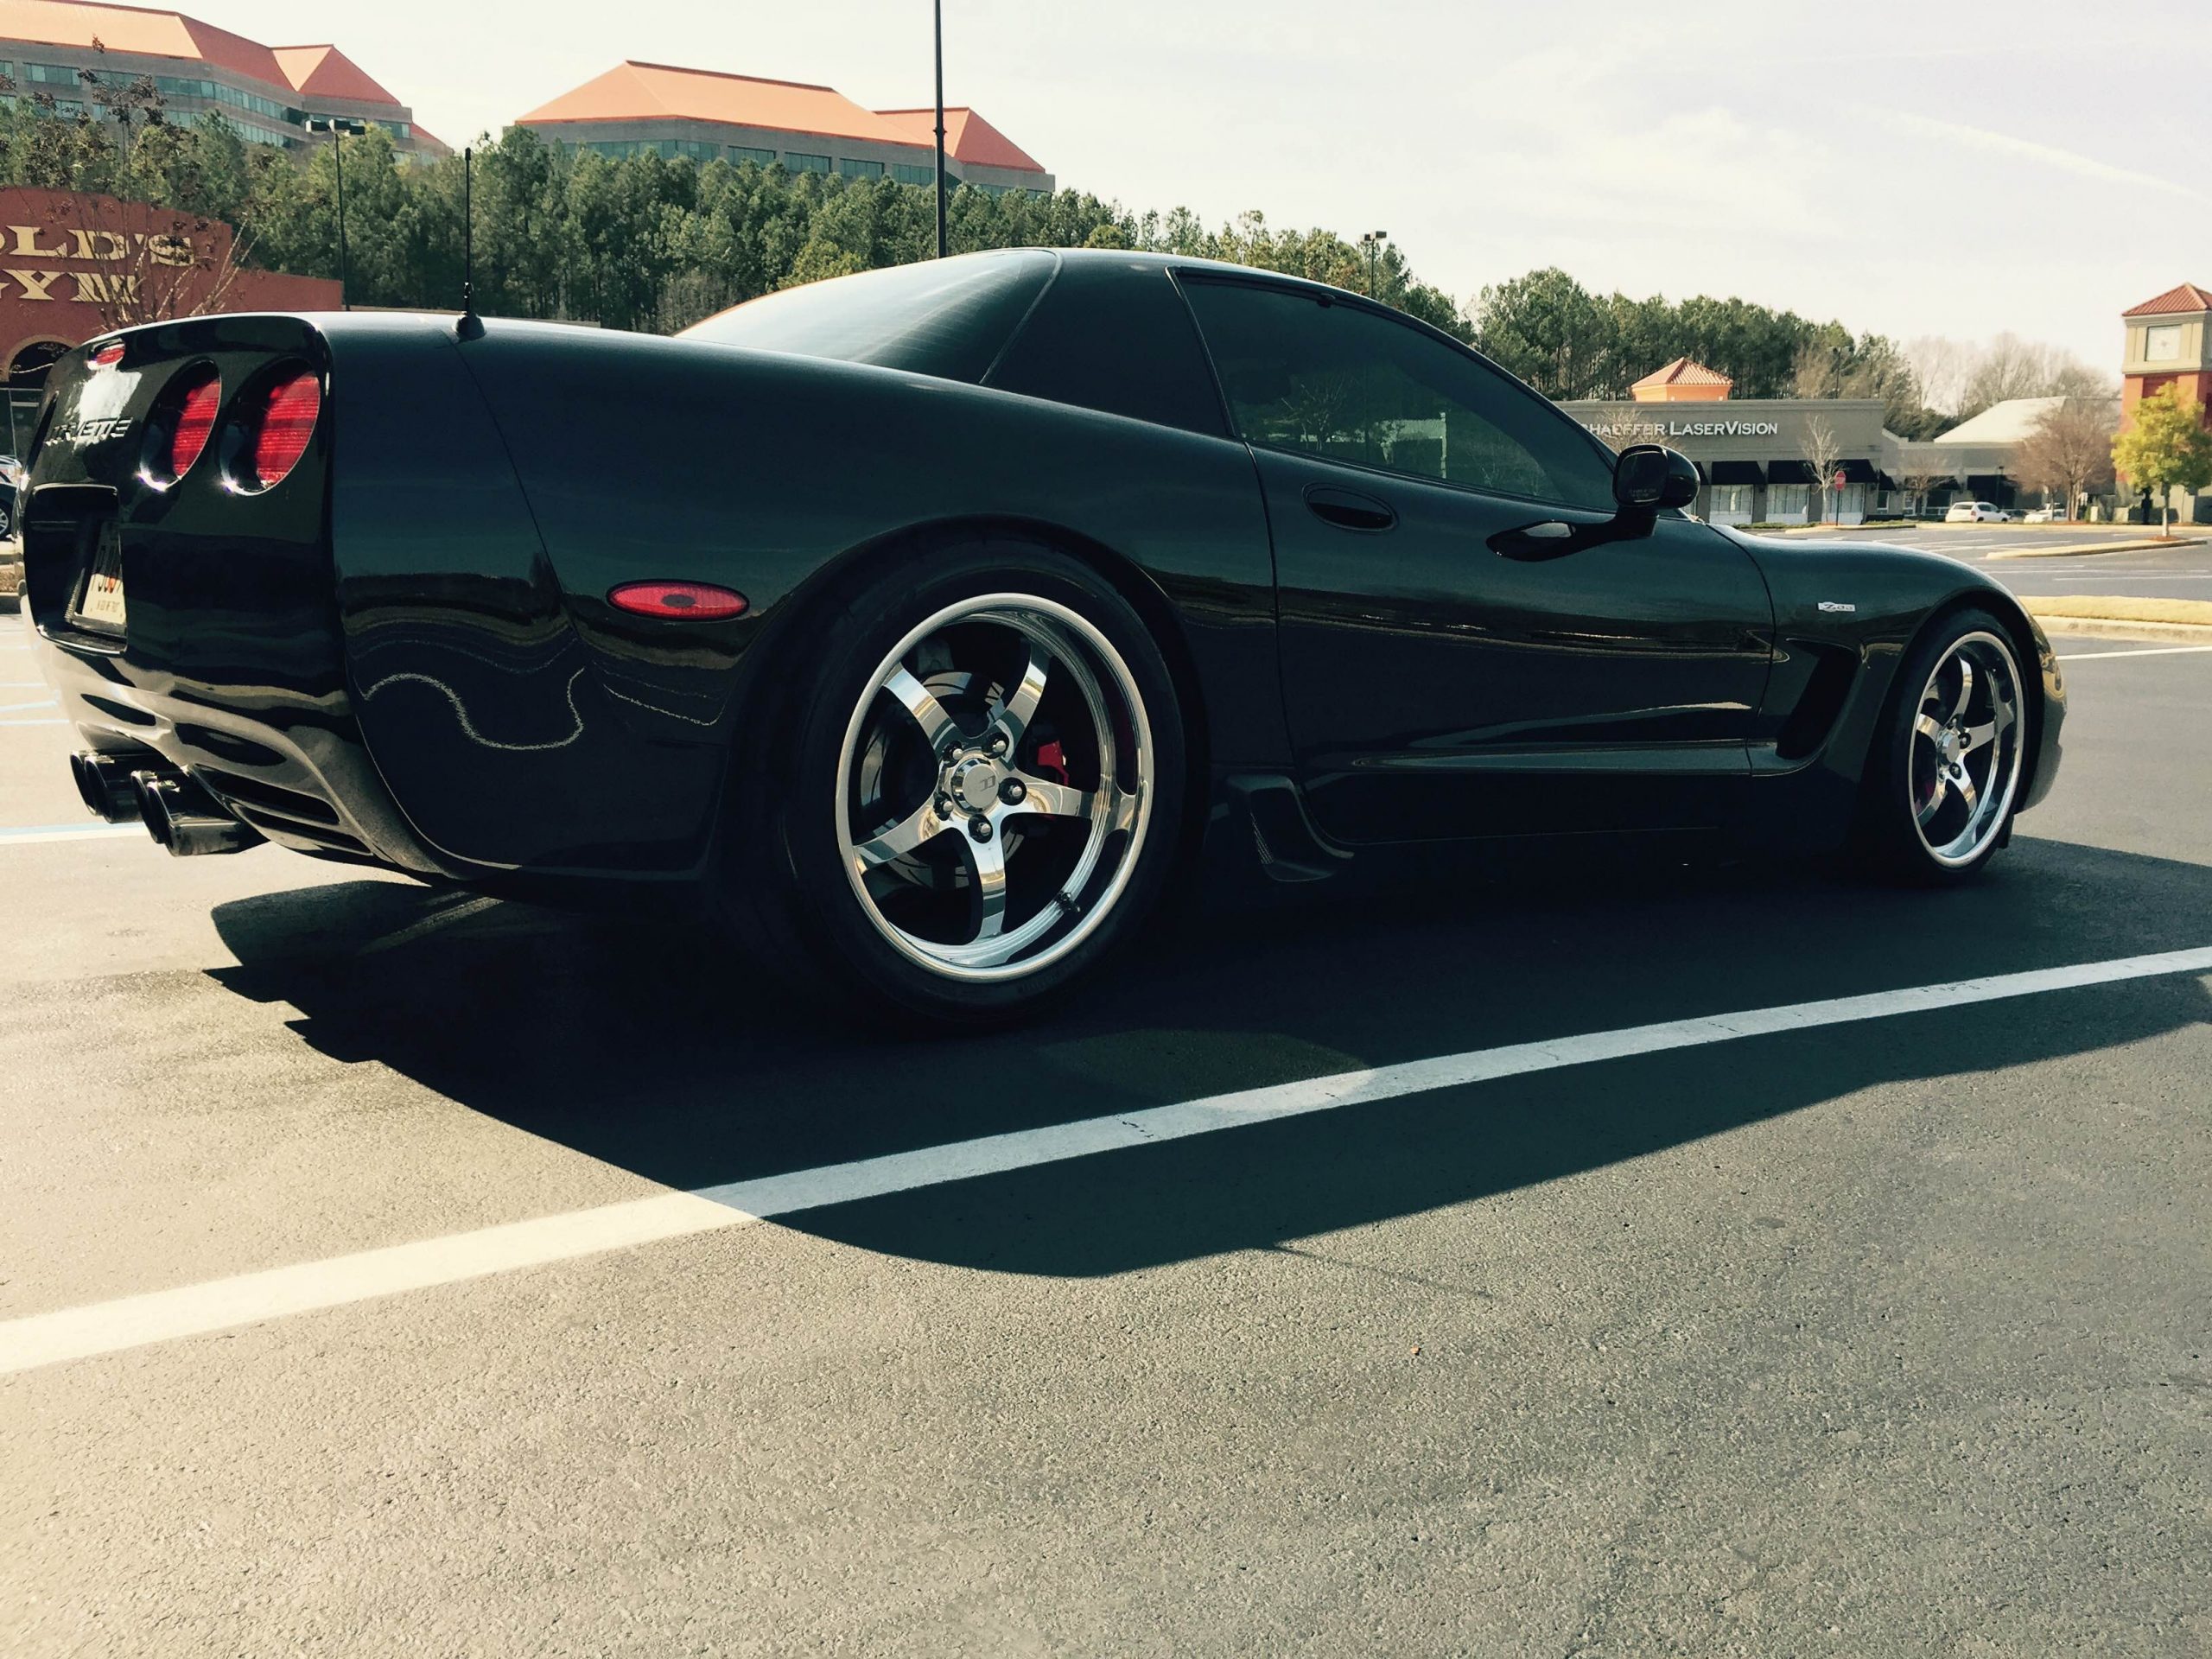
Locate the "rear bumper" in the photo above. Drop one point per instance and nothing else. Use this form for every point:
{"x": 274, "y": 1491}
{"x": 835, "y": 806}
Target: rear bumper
{"x": 298, "y": 774}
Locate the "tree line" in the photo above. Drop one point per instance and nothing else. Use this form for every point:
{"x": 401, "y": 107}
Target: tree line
{"x": 640, "y": 242}
{"x": 647, "y": 243}
{"x": 1568, "y": 342}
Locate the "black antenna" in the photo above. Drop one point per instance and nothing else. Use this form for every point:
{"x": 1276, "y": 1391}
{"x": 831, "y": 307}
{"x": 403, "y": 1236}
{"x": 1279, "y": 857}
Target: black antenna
{"x": 471, "y": 326}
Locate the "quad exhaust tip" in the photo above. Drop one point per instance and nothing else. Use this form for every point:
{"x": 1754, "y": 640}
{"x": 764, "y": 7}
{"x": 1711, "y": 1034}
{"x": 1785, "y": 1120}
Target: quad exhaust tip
{"x": 104, "y": 786}
{"x": 184, "y": 819}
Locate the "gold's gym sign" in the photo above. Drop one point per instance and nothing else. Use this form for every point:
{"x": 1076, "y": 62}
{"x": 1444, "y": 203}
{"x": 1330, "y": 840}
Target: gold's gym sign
{"x": 24, "y": 246}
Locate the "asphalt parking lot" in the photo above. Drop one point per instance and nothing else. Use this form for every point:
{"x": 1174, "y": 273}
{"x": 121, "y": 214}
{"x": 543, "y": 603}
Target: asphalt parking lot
{"x": 351, "y": 1300}
{"x": 2016, "y": 554}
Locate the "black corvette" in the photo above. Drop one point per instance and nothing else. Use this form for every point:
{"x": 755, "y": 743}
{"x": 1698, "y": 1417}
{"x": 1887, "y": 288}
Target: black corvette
{"x": 923, "y": 623}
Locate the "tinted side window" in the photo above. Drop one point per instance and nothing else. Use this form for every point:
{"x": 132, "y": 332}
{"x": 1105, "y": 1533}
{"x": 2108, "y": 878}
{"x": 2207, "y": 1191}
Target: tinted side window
{"x": 1115, "y": 337}
{"x": 1349, "y": 384}
{"x": 948, "y": 318}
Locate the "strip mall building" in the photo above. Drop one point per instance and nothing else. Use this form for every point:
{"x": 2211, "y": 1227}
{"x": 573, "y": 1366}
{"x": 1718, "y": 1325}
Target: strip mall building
{"x": 1753, "y": 451}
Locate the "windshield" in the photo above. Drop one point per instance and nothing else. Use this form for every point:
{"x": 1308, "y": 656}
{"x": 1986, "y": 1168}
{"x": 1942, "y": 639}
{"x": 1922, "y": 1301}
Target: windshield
{"x": 949, "y": 318}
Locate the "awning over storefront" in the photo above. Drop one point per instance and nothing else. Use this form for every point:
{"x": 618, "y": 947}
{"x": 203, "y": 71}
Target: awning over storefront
{"x": 1857, "y": 472}
{"x": 1736, "y": 472}
{"x": 1984, "y": 484}
{"x": 1789, "y": 472}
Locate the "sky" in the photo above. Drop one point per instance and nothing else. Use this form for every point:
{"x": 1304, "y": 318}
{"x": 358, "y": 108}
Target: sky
{"x": 1909, "y": 169}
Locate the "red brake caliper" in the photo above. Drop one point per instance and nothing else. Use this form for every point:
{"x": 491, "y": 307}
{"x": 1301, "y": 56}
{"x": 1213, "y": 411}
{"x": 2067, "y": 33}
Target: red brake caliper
{"x": 1050, "y": 758}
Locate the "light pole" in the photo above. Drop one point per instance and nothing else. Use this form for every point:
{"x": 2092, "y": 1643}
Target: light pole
{"x": 1372, "y": 242}
{"x": 338, "y": 126}
{"x": 937, "y": 15}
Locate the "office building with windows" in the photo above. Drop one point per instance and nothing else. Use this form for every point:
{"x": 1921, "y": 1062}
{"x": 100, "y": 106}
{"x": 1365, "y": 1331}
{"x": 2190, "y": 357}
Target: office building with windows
{"x": 705, "y": 115}
{"x": 269, "y": 94}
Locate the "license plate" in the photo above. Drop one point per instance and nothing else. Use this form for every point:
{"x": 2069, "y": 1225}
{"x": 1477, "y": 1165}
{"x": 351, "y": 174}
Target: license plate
{"x": 99, "y": 604}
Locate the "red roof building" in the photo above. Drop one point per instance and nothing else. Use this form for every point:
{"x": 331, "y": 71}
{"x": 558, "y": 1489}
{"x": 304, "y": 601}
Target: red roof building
{"x": 2180, "y": 301}
{"x": 268, "y": 93}
{"x": 707, "y": 115}
{"x": 1683, "y": 382}
{"x": 2169, "y": 344}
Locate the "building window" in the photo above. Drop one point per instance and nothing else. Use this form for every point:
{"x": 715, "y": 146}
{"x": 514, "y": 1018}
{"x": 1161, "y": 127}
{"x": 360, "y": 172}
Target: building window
{"x": 799, "y": 163}
{"x": 50, "y": 74}
{"x": 904, "y": 173}
{"x": 1730, "y": 503}
{"x": 853, "y": 169}
{"x": 2162, "y": 344}
{"x": 1788, "y": 504}
{"x": 758, "y": 157}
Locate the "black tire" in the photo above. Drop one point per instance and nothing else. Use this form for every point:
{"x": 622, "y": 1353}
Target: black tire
{"x": 808, "y": 910}
{"x": 1932, "y": 814}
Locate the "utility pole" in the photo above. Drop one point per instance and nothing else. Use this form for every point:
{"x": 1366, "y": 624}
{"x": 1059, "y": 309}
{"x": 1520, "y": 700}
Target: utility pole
{"x": 338, "y": 126}
{"x": 1372, "y": 242}
{"x": 937, "y": 12}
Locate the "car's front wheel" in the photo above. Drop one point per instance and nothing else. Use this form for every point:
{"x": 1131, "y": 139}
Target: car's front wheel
{"x": 985, "y": 789}
{"x": 1942, "y": 784}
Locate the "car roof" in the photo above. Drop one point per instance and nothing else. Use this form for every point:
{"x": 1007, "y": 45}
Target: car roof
{"x": 1129, "y": 258}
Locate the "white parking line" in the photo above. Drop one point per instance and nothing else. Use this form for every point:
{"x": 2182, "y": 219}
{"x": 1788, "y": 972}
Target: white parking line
{"x": 26, "y": 835}
{"x": 53, "y": 720}
{"x": 221, "y": 1304}
{"x": 2151, "y": 650}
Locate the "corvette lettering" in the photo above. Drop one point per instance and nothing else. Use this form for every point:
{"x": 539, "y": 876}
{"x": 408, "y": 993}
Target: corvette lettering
{"x": 84, "y": 432}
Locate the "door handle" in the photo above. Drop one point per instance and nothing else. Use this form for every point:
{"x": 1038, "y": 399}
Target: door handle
{"x": 1348, "y": 509}
{"x": 1545, "y": 540}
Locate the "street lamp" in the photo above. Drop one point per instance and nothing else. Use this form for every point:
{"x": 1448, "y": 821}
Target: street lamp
{"x": 338, "y": 126}
{"x": 1372, "y": 242}
{"x": 936, "y": 16}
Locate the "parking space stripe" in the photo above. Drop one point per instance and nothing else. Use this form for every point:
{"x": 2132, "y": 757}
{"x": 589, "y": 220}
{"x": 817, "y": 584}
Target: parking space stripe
{"x": 2149, "y": 651}
{"x": 30, "y": 833}
{"x": 55, "y": 721}
{"x": 194, "y": 1310}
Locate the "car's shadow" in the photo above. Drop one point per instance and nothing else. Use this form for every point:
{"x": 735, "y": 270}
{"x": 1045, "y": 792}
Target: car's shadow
{"x": 649, "y": 1047}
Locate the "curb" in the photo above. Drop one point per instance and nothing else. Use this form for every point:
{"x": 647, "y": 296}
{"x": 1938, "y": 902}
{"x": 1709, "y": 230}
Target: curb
{"x": 2078, "y": 549}
{"x": 2157, "y": 619}
{"x": 2103, "y": 627}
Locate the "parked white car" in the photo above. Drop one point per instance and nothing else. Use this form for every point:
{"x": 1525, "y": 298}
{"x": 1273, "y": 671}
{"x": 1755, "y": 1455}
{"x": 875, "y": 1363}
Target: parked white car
{"x": 2045, "y": 516}
{"x": 1977, "y": 512}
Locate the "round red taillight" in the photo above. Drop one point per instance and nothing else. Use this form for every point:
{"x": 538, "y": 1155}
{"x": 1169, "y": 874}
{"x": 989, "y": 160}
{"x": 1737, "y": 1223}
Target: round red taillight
{"x": 195, "y": 421}
{"x": 108, "y": 355}
{"x": 279, "y": 426}
{"x": 692, "y": 602}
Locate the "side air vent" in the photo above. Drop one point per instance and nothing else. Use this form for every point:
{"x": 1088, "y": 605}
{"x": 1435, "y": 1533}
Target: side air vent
{"x": 1826, "y": 689}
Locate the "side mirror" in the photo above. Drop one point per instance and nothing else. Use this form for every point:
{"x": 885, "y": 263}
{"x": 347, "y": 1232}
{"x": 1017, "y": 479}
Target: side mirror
{"x": 1650, "y": 476}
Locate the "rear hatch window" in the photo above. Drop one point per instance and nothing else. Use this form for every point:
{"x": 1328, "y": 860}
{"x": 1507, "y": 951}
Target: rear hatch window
{"x": 945, "y": 317}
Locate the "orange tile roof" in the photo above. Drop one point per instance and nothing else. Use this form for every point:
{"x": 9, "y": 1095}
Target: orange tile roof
{"x": 324, "y": 72}
{"x": 2187, "y": 298}
{"x": 968, "y": 137}
{"x": 646, "y": 91}
{"x": 1683, "y": 372}
{"x": 134, "y": 29}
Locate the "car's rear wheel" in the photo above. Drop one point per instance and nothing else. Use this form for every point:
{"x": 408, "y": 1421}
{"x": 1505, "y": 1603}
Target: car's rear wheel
{"x": 985, "y": 786}
{"x": 1941, "y": 785}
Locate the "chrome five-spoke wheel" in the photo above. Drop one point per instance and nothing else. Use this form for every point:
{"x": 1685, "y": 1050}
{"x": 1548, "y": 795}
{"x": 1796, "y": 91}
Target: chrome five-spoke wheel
{"x": 1965, "y": 747}
{"x": 994, "y": 787}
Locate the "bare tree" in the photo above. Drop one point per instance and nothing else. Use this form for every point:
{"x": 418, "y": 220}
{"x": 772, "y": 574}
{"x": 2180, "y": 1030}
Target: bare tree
{"x": 1821, "y": 449}
{"x": 1942, "y": 366}
{"x": 2070, "y": 449}
{"x": 154, "y": 263}
{"x": 1921, "y": 477}
{"x": 1962, "y": 378}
